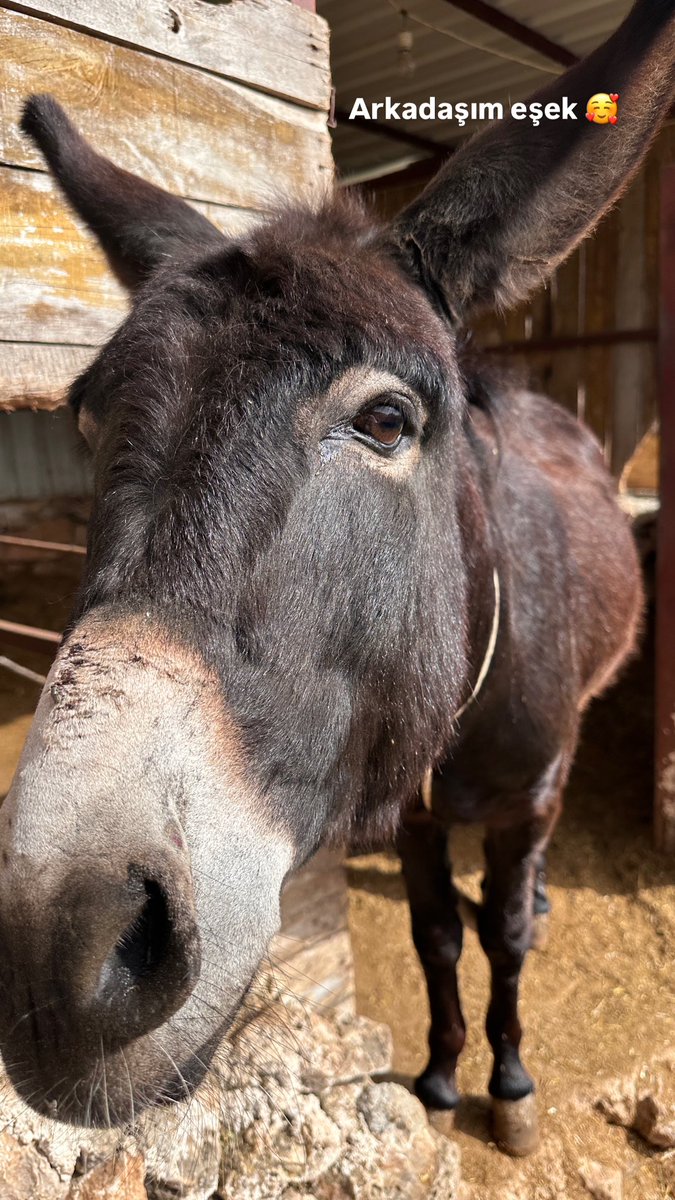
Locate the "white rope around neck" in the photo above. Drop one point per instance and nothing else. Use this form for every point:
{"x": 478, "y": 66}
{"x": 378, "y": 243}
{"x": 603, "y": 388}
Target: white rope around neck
{"x": 425, "y": 789}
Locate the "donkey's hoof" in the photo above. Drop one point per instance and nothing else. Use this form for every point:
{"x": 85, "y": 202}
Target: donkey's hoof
{"x": 540, "y": 931}
{"x": 515, "y": 1125}
{"x": 435, "y": 1090}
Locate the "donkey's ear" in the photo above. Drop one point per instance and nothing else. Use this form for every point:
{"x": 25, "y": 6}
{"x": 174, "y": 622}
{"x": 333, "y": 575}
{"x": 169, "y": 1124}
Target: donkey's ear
{"x": 515, "y": 201}
{"x": 138, "y": 225}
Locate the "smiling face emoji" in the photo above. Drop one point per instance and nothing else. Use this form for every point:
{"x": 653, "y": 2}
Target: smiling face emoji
{"x": 603, "y": 109}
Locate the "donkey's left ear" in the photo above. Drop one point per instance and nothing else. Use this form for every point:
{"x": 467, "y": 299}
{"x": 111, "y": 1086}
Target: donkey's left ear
{"x": 138, "y": 225}
{"x": 515, "y": 201}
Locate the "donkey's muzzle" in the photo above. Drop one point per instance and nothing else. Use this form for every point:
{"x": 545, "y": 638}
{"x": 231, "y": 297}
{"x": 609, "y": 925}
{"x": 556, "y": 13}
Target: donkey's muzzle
{"x": 104, "y": 959}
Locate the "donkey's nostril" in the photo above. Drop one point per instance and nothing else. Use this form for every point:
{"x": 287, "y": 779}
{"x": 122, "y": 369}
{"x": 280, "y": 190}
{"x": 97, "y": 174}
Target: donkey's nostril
{"x": 143, "y": 946}
{"x": 152, "y": 960}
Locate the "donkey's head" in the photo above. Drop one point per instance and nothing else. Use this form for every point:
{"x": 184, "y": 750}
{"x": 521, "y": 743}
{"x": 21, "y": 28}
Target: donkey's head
{"x": 271, "y": 636}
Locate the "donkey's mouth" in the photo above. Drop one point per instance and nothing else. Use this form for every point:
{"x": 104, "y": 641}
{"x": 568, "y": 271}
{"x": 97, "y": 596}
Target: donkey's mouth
{"x": 102, "y": 1083}
{"x": 109, "y": 1093}
{"x": 181, "y": 1085}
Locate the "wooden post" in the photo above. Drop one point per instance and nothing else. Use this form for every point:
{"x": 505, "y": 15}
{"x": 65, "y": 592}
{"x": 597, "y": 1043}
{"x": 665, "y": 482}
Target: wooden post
{"x": 665, "y": 590}
{"x": 633, "y": 364}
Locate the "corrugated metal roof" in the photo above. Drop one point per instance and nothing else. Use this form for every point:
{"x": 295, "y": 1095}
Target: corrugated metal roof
{"x": 365, "y": 62}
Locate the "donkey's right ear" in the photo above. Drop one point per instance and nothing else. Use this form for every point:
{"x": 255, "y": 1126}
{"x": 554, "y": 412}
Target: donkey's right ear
{"x": 138, "y": 225}
{"x": 508, "y": 207}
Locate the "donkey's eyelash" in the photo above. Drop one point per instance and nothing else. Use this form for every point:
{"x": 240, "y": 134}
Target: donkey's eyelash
{"x": 355, "y": 424}
{"x": 414, "y": 417}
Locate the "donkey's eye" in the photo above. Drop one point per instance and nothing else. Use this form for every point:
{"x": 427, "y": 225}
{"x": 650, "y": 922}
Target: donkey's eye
{"x": 383, "y": 423}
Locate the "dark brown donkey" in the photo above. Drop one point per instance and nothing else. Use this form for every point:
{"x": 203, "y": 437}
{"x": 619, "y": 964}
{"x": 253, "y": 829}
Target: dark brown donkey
{"x": 315, "y": 530}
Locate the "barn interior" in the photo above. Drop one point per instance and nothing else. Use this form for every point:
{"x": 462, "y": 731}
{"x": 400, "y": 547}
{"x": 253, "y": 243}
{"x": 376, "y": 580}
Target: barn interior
{"x": 599, "y": 1001}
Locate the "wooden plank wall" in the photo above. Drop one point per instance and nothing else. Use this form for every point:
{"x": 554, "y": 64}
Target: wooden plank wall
{"x": 312, "y": 953}
{"x": 665, "y": 612}
{"x": 226, "y": 105}
{"x": 610, "y": 284}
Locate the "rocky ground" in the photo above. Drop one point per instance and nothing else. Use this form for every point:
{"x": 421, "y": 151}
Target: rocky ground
{"x": 314, "y": 1116}
{"x": 306, "y": 1119}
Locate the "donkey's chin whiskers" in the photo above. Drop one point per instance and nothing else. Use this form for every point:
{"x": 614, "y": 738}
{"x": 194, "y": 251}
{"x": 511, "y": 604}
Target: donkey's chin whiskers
{"x": 131, "y": 1089}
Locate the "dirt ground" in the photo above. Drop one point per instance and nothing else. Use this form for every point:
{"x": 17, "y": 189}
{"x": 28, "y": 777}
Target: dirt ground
{"x": 598, "y": 1003}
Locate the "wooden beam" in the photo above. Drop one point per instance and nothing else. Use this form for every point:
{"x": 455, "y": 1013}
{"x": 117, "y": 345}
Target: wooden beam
{"x": 16, "y": 668}
{"x": 664, "y": 815}
{"x": 406, "y": 136}
{"x": 608, "y": 337}
{"x": 496, "y": 19}
{"x": 419, "y": 173}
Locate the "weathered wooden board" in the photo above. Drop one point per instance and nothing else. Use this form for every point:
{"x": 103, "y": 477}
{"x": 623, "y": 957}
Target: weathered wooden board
{"x": 312, "y": 954}
{"x": 55, "y": 285}
{"x": 270, "y": 44}
{"x": 665, "y": 574}
{"x": 37, "y": 376}
{"x": 186, "y": 130}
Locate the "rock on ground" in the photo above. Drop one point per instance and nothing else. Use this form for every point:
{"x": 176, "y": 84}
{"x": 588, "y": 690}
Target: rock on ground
{"x": 119, "y": 1178}
{"x": 644, "y": 1102}
{"x": 358, "y": 1141}
{"x": 603, "y": 1183}
{"x": 305, "y": 1121}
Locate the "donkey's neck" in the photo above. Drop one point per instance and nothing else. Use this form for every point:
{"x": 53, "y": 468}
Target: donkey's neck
{"x": 478, "y": 464}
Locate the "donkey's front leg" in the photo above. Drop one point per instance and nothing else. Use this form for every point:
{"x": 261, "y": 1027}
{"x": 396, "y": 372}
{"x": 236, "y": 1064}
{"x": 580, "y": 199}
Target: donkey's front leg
{"x": 505, "y": 926}
{"x": 541, "y": 906}
{"x": 437, "y": 934}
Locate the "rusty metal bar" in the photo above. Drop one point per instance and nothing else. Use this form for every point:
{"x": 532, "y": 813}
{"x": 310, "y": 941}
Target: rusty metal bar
{"x": 515, "y": 29}
{"x": 664, "y": 800}
{"x": 608, "y": 337}
{"x": 25, "y": 672}
{"x": 7, "y": 539}
{"x": 30, "y": 637}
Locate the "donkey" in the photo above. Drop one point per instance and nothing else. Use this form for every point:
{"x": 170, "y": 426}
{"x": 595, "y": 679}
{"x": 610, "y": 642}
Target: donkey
{"x": 327, "y": 554}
